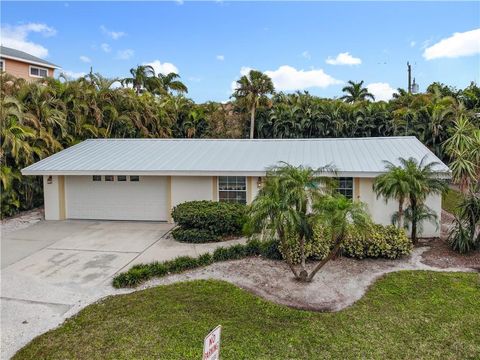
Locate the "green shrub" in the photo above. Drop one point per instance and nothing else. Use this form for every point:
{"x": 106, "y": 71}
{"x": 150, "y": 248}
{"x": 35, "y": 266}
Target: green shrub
{"x": 219, "y": 218}
{"x": 377, "y": 242}
{"x": 315, "y": 249}
{"x": 142, "y": 272}
{"x": 194, "y": 235}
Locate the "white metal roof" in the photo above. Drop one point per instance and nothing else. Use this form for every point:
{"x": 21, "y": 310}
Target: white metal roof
{"x": 360, "y": 157}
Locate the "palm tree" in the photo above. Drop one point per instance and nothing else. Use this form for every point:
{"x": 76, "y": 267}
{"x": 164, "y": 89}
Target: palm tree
{"x": 423, "y": 181}
{"x": 141, "y": 76}
{"x": 294, "y": 200}
{"x": 252, "y": 89}
{"x": 463, "y": 147}
{"x": 337, "y": 213}
{"x": 356, "y": 92}
{"x": 393, "y": 184}
{"x": 166, "y": 83}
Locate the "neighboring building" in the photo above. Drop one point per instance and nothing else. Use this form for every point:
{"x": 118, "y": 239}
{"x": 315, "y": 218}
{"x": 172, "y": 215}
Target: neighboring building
{"x": 23, "y": 65}
{"x": 142, "y": 179}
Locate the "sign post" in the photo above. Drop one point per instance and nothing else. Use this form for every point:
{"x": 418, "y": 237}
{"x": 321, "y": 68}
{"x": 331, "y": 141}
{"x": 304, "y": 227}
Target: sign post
{"x": 211, "y": 344}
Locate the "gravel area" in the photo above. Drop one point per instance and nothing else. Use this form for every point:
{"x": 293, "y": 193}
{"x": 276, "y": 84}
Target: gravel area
{"x": 338, "y": 285}
{"x": 21, "y": 221}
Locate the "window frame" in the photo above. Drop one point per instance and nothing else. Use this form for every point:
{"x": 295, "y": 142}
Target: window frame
{"x": 39, "y": 69}
{"x": 232, "y": 191}
{"x": 112, "y": 177}
{"x": 134, "y": 176}
{"x": 3, "y": 65}
{"x": 339, "y": 188}
{"x": 124, "y": 178}
{"x": 99, "y": 176}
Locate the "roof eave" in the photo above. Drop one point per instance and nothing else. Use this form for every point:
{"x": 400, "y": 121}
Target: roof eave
{"x": 47, "y": 65}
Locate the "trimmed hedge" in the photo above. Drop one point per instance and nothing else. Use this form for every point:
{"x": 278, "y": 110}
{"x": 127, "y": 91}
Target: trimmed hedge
{"x": 207, "y": 221}
{"x": 143, "y": 272}
{"x": 194, "y": 235}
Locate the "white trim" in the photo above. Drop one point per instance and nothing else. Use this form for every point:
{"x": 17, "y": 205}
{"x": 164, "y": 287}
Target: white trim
{"x": 26, "y": 171}
{"x": 30, "y": 62}
{"x": 246, "y": 186}
{"x": 30, "y": 67}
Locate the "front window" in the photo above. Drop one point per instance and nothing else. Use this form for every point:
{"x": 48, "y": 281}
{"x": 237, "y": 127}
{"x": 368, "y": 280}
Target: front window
{"x": 97, "y": 178}
{"x": 38, "y": 72}
{"x": 232, "y": 189}
{"x": 345, "y": 187}
{"x": 109, "y": 178}
{"x": 2, "y": 65}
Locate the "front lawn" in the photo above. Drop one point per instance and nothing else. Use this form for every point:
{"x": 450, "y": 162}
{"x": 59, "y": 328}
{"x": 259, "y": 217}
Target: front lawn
{"x": 405, "y": 315}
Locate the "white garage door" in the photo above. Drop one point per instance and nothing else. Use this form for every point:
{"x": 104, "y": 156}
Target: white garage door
{"x": 121, "y": 198}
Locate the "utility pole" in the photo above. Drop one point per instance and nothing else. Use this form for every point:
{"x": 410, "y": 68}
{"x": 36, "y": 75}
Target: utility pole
{"x": 409, "y": 70}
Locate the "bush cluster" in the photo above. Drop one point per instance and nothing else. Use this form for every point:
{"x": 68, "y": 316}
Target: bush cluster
{"x": 142, "y": 272}
{"x": 377, "y": 241}
{"x": 207, "y": 221}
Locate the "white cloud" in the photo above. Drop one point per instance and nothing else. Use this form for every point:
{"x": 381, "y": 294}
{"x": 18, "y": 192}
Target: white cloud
{"x": 220, "y": 57}
{"x": 105, "y": 47}
{"x": 288, "y": 78}
{"x": 125, "y": 54}
{"x": 459, "y": 44}
{"x": 115, "y": 35}
{"x": 306, "y": 55}
{"x": 162, "y": 68}
{"x": 85, "y": 59}
{"x": 72, "y": 75}
{"x": 17, "y": 37}
{"x": 381, "y": 91}
{"x": 343, "y": 59}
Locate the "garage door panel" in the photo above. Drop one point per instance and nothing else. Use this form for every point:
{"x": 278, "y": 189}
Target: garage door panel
{"x": 116, "y": 200}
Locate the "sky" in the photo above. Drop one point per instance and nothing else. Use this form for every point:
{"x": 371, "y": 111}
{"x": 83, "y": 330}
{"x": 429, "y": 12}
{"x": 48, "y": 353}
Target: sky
{"x": 313, "y": 46}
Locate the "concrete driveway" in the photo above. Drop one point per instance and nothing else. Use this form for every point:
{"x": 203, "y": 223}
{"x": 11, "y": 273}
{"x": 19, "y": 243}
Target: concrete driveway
{"x": 52, "y": 269}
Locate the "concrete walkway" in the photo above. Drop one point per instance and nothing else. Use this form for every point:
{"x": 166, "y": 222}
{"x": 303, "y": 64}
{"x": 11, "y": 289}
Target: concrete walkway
{"x": 52, "y": 269}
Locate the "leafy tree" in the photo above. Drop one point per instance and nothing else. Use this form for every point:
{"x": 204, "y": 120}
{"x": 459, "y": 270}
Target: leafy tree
{"x": 394, "y": 184}
{"x": 465, "y": 236}
{"x": 356, "y": 92}
{"x": 252, "y": 89}
{"x": 140, "y": 79}
{"x": 167, "y": 83}
{"x": 293, "y": 201}
{"x": 423, "y": 181}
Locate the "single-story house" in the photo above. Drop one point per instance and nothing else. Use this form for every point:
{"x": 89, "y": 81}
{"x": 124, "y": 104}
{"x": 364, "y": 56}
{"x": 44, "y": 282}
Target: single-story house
{"x": 143, "y": 179}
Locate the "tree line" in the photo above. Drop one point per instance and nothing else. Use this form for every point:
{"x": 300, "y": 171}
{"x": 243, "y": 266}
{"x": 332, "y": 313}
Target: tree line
{"x": 43, "y": 117}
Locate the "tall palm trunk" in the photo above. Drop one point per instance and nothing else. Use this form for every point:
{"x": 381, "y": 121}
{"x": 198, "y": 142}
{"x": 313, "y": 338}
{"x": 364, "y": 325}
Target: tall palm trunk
{"x": 413, "y": 206}
{"x": 400, "y": 212}
{"x": 252, "y": 121}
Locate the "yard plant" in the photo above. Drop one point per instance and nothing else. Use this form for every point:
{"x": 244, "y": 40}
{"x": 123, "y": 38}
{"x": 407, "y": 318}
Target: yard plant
{"x": 293, "y": 202}
{"x": 207, "y": 221}
{"x": 405, "y": 315}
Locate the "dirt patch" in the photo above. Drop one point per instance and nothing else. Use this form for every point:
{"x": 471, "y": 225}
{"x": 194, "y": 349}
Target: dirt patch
{"x": 21, "y": 220}
{"x": 340, "y": 283}
{"x": 439, "y": 254}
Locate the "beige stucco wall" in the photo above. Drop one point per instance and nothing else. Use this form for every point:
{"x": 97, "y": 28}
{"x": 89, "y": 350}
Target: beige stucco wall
{"x": 188, "y": 188}
{"x": 382, "y": 211}
{"x": 54, "y": 198}
{"x": 22, "y": 70}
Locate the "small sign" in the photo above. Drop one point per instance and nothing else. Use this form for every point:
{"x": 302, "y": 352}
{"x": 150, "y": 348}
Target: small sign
{"x": 211, "y": 344}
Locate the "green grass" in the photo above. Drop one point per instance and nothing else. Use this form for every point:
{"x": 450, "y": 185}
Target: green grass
{"x": 405, "y": 315}
{"x": 450, "y": 201}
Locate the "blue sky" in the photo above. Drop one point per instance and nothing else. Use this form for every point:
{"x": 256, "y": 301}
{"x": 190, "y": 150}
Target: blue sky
{"x": 314, "y": 46}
